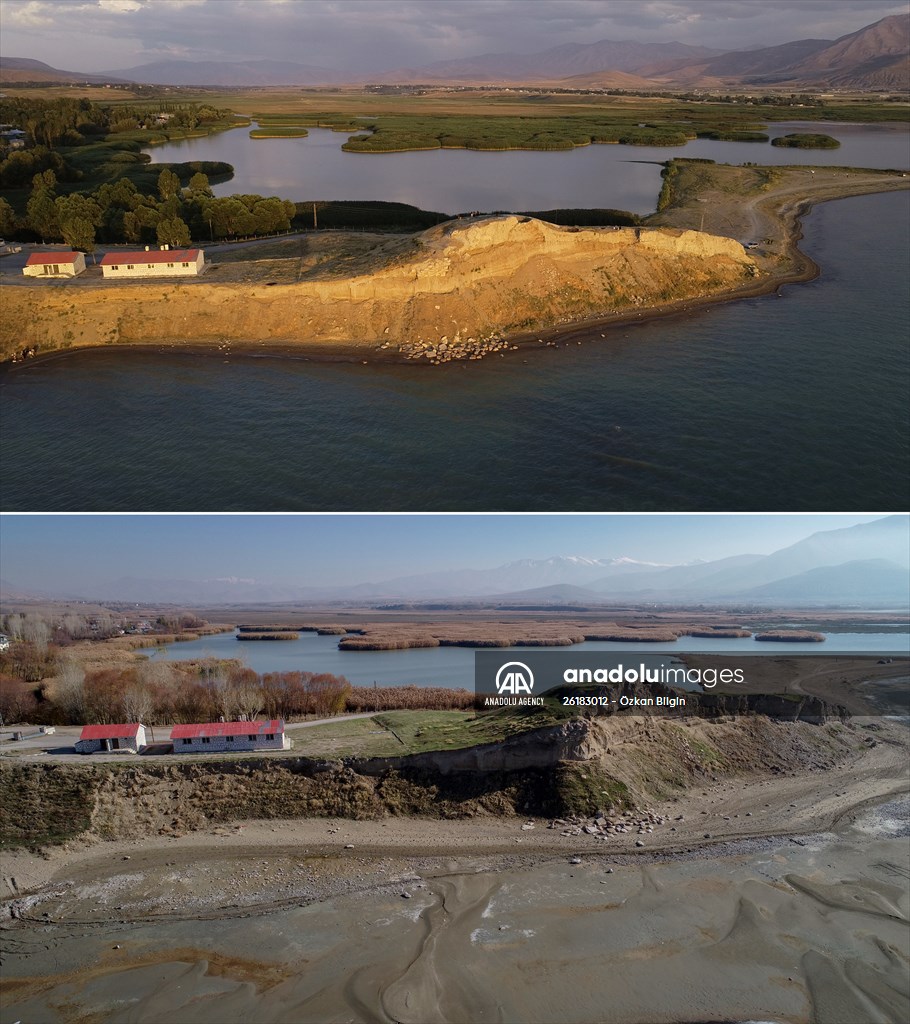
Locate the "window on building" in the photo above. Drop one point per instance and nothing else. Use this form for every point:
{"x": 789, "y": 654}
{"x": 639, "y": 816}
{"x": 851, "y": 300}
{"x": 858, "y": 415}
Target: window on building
{"x": 187, "y": 741}
{"x": 131, "y": 266}
{"x": 206, "y": 739}
{"x": 170, "y": 264}
{"x": 115, "y": 267}
{"x": 270, "y": 736}
{"x": 229, "y": 739}
{"x": 148, "y": 266}
{"x": 252, "y": 739}
{"x": 184, "y": 264}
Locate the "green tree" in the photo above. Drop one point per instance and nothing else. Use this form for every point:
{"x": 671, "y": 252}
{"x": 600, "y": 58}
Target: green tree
{"x": 173, "y": 231}
{"x": 79, "y": 232}
{"x": 199, "y": 183}
{"x": 7, "y": 219}
{"x": 168, "y": 184}
{"x": 273, "y": 215}
{"x": 40, "y": 211}
{"x": 229, "y": 217}
{"x": 78, "y": 217}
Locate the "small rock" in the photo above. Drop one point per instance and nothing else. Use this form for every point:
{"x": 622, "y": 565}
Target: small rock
{"x": 638, "y": 842}
{"x": 349, "y": 846}
{"x": 405, "y": 895}
{"x": 575, "y": 860}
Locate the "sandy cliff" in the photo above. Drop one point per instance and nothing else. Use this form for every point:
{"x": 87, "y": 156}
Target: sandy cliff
{"x": 440, "y": 294}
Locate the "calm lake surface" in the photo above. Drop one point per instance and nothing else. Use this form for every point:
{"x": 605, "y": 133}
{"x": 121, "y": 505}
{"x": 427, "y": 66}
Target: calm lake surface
{"x": 792, "y": 402}
{"x": 455, "y": 181}
{"x": 454, "y": 666}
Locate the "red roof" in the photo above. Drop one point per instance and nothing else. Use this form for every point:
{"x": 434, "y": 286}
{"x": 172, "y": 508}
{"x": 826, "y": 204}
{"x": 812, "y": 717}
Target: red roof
{"x": 180, "y": 732}
{"x": 109, "y": 732}
{"x": 38, "y": 259}
{"x": 152, "y": 256}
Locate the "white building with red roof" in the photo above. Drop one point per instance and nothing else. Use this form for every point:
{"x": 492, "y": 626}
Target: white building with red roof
{"x": 222, "y": 737}
{"x": 162, "y": 262}
{"x": 54, "y": 264}
{"x": 102, "y": 738}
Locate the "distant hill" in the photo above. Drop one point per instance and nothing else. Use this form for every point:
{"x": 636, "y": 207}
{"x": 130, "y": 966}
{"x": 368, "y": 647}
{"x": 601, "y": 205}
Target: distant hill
{"x": 861, "y": 582}
{"x": 23, "y": 69}
{"x": 232, "y": 74}
{"x": 875, "y": 57}
{"x": 570, "y": 59}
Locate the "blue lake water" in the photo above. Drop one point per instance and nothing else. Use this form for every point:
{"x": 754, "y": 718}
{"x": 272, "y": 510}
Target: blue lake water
{"x": 794, "y": 401}
{"x": 454, "y": 666}
{"x": 455, "y": 181}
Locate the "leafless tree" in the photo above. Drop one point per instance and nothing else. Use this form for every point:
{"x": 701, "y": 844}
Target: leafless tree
{"x": 36, "y": 631}
{"x": 70, "y": 691}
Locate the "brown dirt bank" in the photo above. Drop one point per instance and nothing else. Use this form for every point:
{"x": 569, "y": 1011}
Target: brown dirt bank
{"x": 450, "y": 291}
{"x": 578, "y": 767}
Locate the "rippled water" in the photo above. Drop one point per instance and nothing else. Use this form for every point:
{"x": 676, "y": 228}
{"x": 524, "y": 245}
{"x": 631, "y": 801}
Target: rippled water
{"x": 797, "y": 401}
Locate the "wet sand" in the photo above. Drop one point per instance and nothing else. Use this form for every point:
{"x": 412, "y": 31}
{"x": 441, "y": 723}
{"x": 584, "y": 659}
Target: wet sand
{"x": 412, "y": 920}
{"x": 805, "y": 929}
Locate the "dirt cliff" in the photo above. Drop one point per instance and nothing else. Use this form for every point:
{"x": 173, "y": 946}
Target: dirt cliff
{"x": 576, "y": 767}
{"x": 438, "y": 295}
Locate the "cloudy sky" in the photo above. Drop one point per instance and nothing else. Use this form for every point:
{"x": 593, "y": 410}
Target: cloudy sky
{"x": 374, "y": 35}
{"x": 77, "y": 553}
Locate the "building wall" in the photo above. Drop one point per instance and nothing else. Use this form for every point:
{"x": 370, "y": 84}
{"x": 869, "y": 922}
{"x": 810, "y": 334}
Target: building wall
{"x": 140, "y": 269}
{"x": 64, "y": 269}
{"x": 133, "y": 743}
{"x": 219, "y": 745}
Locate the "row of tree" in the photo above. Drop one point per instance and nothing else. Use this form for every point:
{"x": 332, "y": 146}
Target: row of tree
{"x": 73, "y": 122}
{"x": 163, "y": 693}
{"x": 119, "y": 212}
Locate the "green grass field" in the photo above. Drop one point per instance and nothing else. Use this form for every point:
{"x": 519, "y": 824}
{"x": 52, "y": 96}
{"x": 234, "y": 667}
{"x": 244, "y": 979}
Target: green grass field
{"x": 394, "y": 733}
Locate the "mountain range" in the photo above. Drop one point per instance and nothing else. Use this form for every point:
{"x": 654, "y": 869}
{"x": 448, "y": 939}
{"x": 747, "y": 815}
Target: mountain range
{"x": 865, "y": 565}
{"x": 873, "y": 58}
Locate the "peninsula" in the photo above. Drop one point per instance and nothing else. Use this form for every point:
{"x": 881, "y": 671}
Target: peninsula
{"x": 461, "y": 290}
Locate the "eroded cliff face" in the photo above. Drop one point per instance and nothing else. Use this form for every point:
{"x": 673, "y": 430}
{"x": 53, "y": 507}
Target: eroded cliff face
{"x": 580, "y": 766}
{"x": 449, "y": 288}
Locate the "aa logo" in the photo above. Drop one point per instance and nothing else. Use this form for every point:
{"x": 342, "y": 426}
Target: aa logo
{"x": 514, "y": 677}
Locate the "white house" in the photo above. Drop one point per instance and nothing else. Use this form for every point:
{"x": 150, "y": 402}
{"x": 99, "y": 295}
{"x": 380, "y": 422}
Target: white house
{"x": 221, "y": 737}
{"x": 4, "y": 642}
{"x": 163, "y": 262}
{"x": 54, "y": 264}
{"x": 95, "y": 738}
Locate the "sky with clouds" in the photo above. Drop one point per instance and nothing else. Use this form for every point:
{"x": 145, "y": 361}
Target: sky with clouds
{"x": 78, "y": 552}
{"x": 373, "y": 35}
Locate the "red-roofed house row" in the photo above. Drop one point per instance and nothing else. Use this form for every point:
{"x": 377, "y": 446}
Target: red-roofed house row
{"x": 153, "y": 263}
{"x": 205, "y": 738}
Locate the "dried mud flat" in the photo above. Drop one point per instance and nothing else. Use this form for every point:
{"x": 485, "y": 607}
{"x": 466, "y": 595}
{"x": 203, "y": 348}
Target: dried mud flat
{"x": 795, "y": 909}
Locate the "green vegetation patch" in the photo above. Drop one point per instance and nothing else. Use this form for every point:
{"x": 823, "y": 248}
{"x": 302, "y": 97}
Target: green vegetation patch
{"x": 585, "y": 788}
{"x": 365, "y": 216}
{"x": 398, "y": 133}
{"x": 596, "y": 218}
{"x": 278, "y": 132}
{"x": 396, "y": 733}
{"x": 803, "y": 140}
{"x": 733, "y": 135}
